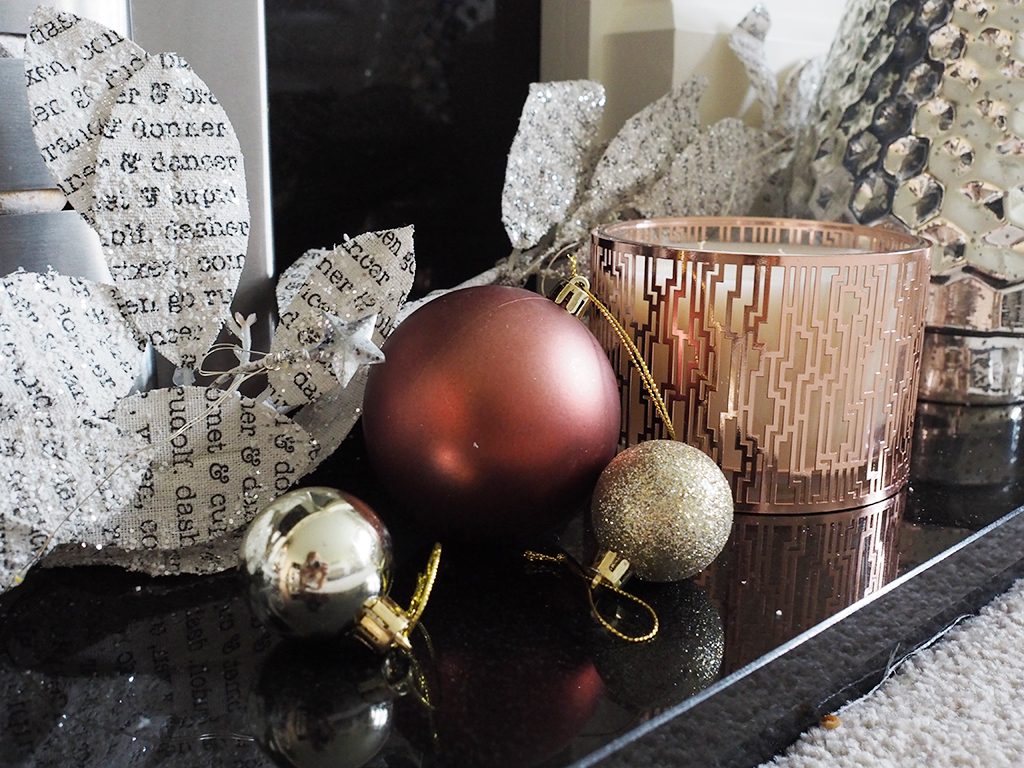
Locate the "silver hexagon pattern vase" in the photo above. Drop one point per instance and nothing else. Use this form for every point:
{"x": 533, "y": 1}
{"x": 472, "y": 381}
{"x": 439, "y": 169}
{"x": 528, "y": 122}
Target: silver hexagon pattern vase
{"x": 919, "y": 123}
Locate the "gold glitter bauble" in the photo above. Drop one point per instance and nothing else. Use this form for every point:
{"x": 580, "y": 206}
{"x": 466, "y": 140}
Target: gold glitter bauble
{"x": 664, "y": 506}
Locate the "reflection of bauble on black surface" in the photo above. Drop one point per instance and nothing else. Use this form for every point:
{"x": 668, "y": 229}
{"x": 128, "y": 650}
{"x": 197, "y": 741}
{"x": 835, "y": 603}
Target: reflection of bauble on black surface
{"x": 317, "y": 707}
{"x": 510, "y": 680}
{"x": 493, "y": 414}
{"x": 682, "y": 659}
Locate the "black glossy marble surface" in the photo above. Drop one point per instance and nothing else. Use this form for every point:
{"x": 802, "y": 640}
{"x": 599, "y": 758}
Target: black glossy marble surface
{"x": 103, "y": 668}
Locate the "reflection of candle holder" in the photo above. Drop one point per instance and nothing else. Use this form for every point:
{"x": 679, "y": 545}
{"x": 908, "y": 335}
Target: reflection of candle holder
{"x": 783, "y": 574}
{"x": 788, "y": 351}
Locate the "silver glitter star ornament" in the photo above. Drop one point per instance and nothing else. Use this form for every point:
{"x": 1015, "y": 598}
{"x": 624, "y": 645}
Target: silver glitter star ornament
{"x": 350, "y": 344}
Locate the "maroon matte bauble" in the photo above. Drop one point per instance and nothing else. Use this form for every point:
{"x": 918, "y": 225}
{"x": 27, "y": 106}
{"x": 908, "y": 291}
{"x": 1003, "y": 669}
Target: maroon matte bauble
{"x": 493, "y": 414}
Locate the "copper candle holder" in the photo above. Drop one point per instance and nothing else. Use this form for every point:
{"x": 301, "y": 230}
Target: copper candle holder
{"x": 786, "y": 350}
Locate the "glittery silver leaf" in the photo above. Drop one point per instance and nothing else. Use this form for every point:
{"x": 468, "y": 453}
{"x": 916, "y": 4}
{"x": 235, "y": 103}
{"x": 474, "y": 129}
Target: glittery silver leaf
{"x": 76, "y": 87}
{"x": 64, "y": 341}
{"x": 639, "y": 153}
{"x": 796, "y": 98}
{"x": 69, "y": 355}
{"x": 331, "y": 417}
{"x": 170, "y": 206}
{"x": 371, "y": 273}
{"x": 550, "y": 148}
{"x": 718, "y": 174}
{"x": 587, "y": 169}
{"x": 295, "y": 277}
{"x": 212, "y": 557}
{"x": 214, "y": 459}
{"x": 747, "y": 42}
{"x": 145, "y": 152}
{"x": 60, "y": 473}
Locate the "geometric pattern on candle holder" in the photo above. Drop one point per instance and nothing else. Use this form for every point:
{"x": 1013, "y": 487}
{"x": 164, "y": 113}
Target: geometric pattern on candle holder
{"x": 797, "y": 374}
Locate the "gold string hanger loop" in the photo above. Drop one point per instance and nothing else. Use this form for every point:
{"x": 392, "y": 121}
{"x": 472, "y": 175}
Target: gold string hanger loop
{"x": 384, "y": 624}
{"x": 594, "y": 582}
{"x": 612, "y": 629}
{"x": 574, "y": 296}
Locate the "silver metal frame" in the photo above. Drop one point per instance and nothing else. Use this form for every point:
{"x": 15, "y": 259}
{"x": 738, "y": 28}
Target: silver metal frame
{"x": 14, "y": 14}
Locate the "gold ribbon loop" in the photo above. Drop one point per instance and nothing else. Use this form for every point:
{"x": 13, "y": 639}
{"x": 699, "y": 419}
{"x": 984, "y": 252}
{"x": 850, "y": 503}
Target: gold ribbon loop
{"x": 646, "y": 378}
{"x": 562, "y": 559}
{"x": 610, "y": 628}
{"x": 424, "y": 585}
{"x": 383, "y": 624}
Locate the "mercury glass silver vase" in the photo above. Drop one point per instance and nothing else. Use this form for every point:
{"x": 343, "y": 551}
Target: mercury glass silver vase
{"x": 918, "y": 125}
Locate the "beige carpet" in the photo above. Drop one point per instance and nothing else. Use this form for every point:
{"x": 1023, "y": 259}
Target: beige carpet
{"x": 959, "y": 702}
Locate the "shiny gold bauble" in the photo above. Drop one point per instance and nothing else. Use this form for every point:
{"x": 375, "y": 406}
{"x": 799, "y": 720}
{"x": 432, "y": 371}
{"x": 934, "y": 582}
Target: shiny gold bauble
{"x": 664, "y": 506}
{"x": 313, "y": 558}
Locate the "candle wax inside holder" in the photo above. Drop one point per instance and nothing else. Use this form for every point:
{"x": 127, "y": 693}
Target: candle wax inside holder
{"x": 767, "y": 249}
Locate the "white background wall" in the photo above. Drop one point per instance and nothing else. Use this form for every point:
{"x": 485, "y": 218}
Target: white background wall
{"x": 641, "y": 48}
